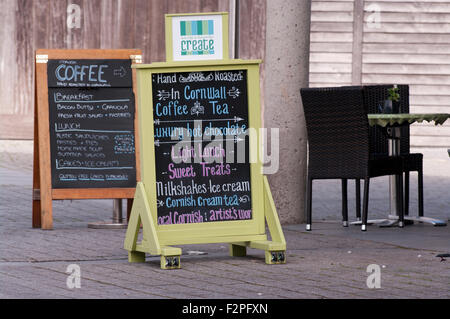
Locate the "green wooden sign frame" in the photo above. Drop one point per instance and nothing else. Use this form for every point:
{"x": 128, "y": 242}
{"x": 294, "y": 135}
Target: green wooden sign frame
{"x": 240, "y": 234}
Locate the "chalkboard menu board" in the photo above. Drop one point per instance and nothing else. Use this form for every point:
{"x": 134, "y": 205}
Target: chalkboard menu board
{"x": 201, "y": 176}
{"x": 86, "y": 143}
{"x": 201, "y": 145}
{"x": 91, "y": 117}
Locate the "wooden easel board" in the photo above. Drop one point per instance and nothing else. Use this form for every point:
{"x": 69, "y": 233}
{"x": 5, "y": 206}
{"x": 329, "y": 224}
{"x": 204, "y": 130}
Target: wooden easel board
{"x": 86, "y": 141}
{"x": 205, "y": 197}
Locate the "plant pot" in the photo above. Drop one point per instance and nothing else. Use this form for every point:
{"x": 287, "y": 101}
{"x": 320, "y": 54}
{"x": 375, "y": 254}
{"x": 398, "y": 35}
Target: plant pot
{"x": 389, "y": 107}
{"x": 385, "y": 107}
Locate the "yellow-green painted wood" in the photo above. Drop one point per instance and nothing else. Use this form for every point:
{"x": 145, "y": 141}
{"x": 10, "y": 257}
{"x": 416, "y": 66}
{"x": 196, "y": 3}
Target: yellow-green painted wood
{"x": 141, "y": 213}
{"x": 273, "y": 222}
{"x": 136, "y": 257}
{"x": 170, "y": 251}
{"x": 212, "y": 239}
{"x": 202, "y": 65}
{"x": 267, "y": 245}
{"x": 132, "y": 233}
{"x": 238, "y": 250}
{"x": 195, "y": 14}
{"x": 134, "y": 222}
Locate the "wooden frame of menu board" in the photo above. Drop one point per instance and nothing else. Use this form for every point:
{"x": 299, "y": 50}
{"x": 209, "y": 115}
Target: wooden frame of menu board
{"x": 43, "y": 191}
{"x": 160, "y": 230}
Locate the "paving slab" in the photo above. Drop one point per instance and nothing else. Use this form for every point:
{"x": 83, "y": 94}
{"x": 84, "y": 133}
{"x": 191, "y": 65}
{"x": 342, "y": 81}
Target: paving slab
{"x": 329, "y": 262}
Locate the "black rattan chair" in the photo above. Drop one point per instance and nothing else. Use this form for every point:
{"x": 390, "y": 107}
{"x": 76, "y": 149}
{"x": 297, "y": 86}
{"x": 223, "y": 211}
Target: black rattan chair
{"x": 373, "y": 95}
{"x": 338, "y": 145}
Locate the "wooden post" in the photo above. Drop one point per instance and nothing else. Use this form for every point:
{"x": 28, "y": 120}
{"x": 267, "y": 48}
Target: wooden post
{"x": 358, "y": 29}
{"x": 36, "y": 220}
{"x": 44, "y": 143}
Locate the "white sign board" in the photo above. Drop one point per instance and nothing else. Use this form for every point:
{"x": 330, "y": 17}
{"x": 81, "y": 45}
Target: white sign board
{"x": 197, "y": 37}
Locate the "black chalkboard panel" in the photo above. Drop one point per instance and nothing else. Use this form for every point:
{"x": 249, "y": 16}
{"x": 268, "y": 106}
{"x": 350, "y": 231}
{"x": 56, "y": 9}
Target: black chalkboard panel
{"x": 89, "y": 73}
{"x": 92, "y": 134}
{"x": 201, "y": 146}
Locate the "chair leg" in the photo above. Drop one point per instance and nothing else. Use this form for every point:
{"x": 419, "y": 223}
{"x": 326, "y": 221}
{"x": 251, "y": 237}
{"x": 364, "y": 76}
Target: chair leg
{"x": 420, "y": 190}
{"x": 406, "y": 202}
{"x": 365, "y": 204}
{"x": 344, "y": 203}
{"x": 358, "y": 198}
{"x": 400, "y": 208}
{"x": 308, "y": 204}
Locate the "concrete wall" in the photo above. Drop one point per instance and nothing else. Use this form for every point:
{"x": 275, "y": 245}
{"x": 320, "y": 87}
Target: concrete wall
{"x": 287, "y": 70}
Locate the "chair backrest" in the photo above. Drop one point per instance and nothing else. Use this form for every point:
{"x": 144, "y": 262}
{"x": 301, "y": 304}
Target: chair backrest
{"x": 373, "y": 96}
{"x": 338, "y": 132}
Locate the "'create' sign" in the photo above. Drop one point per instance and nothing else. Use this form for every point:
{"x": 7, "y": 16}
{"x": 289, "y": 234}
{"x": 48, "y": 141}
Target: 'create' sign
{"x": 195, "y": 37}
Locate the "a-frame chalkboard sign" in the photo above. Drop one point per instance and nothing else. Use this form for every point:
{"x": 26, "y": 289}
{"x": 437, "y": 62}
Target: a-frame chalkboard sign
{"x": 85, "y": 132}
{"x": 202, "y": 180}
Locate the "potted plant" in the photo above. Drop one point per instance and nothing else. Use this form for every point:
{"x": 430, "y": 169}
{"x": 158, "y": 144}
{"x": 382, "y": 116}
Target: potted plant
{"x": 392, "y": 104}
{"x": 394, "y": 97}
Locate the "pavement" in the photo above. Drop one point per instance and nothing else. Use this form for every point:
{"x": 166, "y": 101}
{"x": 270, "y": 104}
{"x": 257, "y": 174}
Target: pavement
{"x": 329, "y": 262}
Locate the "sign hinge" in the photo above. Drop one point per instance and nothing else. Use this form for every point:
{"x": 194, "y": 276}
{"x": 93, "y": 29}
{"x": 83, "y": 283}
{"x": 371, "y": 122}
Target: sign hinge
{"x": 136, "y": 58}
{"x": 41, "y": 58}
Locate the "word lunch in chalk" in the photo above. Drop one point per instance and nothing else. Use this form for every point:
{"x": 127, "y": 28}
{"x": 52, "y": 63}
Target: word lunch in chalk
{"x": 188, "y": 152}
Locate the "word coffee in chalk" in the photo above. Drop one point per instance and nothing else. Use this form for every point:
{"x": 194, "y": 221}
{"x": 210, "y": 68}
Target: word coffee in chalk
{"x": 89, "y": 73}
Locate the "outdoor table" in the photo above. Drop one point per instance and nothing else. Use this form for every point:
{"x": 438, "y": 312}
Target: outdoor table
{"x": 393, "y": 123}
